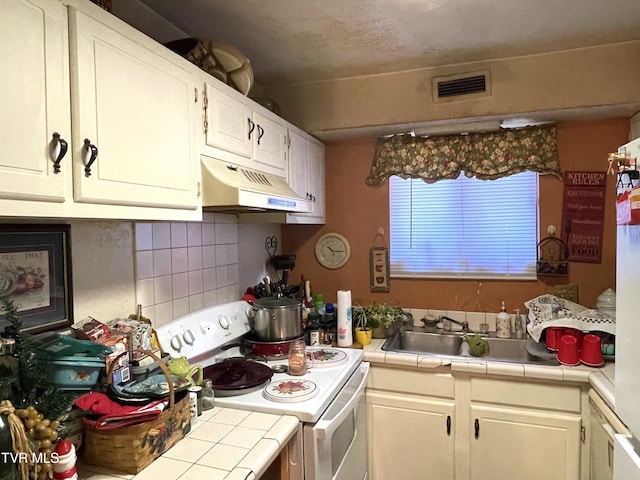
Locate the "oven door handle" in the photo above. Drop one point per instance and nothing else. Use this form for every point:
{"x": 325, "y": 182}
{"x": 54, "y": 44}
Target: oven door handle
{"x": 325, "y": 428}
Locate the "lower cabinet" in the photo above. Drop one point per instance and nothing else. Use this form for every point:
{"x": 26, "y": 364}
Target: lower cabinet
{"x": 523, "y": 444}
{"x": 405, "y": 431}
{"x": 437, "y": 425}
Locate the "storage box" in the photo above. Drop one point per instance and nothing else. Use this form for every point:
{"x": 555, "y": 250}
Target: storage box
{"x": 91, "y": 329}
{"x": 74, "y": 373}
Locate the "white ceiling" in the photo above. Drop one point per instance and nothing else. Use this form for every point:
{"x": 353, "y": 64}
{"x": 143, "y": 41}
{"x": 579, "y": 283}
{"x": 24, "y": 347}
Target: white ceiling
{"x": 291, "y": 41}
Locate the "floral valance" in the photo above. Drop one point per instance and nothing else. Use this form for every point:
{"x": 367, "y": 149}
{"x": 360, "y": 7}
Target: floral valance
{"x": 487, "y": 155}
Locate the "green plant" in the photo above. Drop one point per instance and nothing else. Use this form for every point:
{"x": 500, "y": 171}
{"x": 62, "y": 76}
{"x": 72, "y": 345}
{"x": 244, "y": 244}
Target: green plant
{"x": 376, "y": 315}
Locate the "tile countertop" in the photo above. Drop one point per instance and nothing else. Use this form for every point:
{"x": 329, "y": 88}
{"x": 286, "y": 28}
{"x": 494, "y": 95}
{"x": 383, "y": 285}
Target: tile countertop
{"x": 225, "y": 444}
{"x": 601, "y": 379}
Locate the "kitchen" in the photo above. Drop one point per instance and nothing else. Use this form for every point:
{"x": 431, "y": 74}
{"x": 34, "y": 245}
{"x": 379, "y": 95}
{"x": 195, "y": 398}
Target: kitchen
{"x": 583, "y": 144}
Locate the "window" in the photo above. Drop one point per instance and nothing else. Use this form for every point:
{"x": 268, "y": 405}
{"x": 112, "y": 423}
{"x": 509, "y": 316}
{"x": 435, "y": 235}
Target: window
{"x": 464, "y": 228}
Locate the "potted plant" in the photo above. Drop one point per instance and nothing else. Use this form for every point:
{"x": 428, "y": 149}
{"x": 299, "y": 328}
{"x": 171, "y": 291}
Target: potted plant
{"x": 382, "y": 318}
{"x": 363, "y": 332}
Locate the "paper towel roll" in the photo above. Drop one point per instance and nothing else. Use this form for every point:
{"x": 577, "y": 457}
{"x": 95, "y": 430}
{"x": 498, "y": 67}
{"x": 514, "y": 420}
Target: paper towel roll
{"x": 345, "y": 333}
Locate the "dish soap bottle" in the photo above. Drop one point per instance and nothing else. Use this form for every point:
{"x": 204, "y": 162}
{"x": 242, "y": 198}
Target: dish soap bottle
{"x": 503, "y": 323}
{"x": 519, "y": 328}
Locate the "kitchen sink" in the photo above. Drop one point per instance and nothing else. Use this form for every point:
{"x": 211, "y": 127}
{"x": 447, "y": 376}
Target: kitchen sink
{"x": 419, "y": 341}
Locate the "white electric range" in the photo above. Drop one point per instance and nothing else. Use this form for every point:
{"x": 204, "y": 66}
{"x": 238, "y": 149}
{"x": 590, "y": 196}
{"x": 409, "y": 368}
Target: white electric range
{"x": 330, "y": 405}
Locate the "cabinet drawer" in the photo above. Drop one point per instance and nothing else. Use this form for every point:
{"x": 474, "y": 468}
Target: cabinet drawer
{"x": 526, "y": 394}
{"x": 410, "y": 381}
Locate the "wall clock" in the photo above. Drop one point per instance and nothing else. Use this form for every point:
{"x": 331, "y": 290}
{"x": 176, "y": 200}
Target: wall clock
{"x": 333, "y": 250}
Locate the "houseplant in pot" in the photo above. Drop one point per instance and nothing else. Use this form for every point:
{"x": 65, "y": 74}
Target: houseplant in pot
{"x": 363, "y": 332}
{"x": 382, "y": 318}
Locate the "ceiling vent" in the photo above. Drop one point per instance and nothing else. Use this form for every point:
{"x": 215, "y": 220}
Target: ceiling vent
{"x": 464, "y": 86}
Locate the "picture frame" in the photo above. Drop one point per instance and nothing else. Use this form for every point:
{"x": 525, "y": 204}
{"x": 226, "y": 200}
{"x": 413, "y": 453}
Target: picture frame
{"x": 379, "y": 269}
{"x": 35, "y": 273}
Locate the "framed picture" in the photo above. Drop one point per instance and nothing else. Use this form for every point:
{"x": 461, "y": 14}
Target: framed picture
{"x": 379, "y": 269}
{"x": 35, "y": 273}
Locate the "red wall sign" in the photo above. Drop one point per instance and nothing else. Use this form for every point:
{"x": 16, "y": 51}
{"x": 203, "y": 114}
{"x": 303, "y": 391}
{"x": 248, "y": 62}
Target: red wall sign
{"x": 583, "y": 215}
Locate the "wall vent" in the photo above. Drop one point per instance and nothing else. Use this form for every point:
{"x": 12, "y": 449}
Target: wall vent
{"x": 467, "y": 85}
{"x": 462, "y": 86}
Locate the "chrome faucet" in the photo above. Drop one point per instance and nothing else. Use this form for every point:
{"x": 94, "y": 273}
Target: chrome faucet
{"x": 464, "y": 325}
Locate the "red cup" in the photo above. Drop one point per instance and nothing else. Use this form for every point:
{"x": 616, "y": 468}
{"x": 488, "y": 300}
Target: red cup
{"x": 552, "y": 337}
{"x": 574, "y": 333}
{"x": 591, "y": 354}
{"x": 568, "y": 352}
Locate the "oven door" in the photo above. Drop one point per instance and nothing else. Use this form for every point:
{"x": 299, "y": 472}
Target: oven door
{"x": 335, "y": 447}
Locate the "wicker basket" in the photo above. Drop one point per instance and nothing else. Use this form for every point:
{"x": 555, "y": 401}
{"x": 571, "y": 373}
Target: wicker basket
{"x": 132, "y": 448}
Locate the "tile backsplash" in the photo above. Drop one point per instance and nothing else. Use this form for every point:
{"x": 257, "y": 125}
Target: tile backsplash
{"x": 181, "y": 267}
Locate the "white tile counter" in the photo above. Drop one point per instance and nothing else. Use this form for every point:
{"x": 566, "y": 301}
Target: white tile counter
{"x": 225, "y": 444}
{"x": 600, "y": 378}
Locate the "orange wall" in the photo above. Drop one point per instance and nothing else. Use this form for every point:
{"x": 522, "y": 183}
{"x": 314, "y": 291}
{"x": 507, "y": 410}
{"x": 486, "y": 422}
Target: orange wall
{"x": 357, "y": 210}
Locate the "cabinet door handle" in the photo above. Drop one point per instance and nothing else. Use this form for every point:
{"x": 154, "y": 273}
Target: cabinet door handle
{"x": 477, "y": 428}
{"x": 448, "y": 424}
{"x": 260, "y": 133}
{"x": 63, "y": 151}
{"x": 94, "y": 155}
{"x": 252, "y": 127}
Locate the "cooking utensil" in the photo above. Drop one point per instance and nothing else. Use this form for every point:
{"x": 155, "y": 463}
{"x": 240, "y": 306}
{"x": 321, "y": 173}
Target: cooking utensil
{"x": 260, "y": 350}
{"x": 237, "y": 375}
{"x": 276, "y": 319}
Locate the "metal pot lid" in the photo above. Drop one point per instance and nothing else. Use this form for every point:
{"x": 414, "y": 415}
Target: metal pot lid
{"x": 273, "y": 302}
{"x": 237, "y": 374}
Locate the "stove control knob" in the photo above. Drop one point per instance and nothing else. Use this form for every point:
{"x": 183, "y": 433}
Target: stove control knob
{"x": 188, "y": 337}
{"x": 224, "y": 322}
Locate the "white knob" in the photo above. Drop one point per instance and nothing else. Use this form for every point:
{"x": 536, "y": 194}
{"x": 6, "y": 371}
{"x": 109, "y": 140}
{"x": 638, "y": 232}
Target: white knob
{"x": 224, "y": 322}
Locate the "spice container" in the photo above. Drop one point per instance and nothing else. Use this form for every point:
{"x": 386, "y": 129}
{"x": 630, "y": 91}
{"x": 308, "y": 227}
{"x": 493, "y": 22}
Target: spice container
{"x": 208, "y": 397}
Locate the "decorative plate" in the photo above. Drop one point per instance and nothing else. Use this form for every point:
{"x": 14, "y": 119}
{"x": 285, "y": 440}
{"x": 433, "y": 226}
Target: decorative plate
{"x": 290, "y": 390}
{"x": 327, "y": 357}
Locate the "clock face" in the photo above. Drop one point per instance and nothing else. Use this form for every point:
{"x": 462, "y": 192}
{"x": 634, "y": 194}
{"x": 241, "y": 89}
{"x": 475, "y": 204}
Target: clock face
{"x": 333, "y": 250}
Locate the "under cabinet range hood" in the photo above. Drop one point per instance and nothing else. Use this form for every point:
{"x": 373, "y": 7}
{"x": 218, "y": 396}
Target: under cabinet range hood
{"x": 231, "y": 188}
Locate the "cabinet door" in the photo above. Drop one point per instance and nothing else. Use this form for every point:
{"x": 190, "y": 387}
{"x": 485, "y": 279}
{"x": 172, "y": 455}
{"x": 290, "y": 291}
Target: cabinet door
{"x": 138, "y": 108}
{"x": 317, "y": 181}
{"x": 410, "y": 437}
{"x": 34, "y": 89}
{"x": 298, "y": 164}
{"x": 229, "y": 124}
{"x": 307, "y": 176}
{"x": 269, "y": 144}
{"x": 523, "y": 444}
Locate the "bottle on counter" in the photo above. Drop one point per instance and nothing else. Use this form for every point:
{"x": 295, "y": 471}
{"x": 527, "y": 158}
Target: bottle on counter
{"x": 519, "y": 327}
{"x": 312, "y": 334}
{"x": 319, "y": 303}
{"x": 503, "y": 323}
{"x": 208, "y": 397}
{"x": 330, "y": 324}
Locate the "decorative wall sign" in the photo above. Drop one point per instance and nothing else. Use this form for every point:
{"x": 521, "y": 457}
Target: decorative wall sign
{"x": 583, "y": 215}
{"x": 35, "y": 273}
{"x": 379, "y": 269}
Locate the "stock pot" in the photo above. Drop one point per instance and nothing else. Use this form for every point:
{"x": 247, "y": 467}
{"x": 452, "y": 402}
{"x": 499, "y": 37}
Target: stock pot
{"x": 276, "y": 319}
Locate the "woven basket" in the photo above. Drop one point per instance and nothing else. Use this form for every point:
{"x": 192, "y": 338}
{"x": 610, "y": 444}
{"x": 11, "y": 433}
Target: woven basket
{"x": 132, "y": 448}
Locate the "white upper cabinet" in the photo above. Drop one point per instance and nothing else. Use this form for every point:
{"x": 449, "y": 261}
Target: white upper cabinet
{"x": 238, "y": 130}
{"x": 228, "y": 125}
{"x": 34, "y": 89}
{"x": 136, "y": 109}
{"x": 307, "y": 175}
{"x": 79, "y": 79}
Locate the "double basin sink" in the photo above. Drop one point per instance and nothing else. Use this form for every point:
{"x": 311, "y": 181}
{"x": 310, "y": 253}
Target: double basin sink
{"x": 419, "y": 341}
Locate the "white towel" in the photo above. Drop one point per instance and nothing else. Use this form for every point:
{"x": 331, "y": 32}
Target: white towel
{"x": 345, "y": 334}
{"x": 551, "y": 311}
